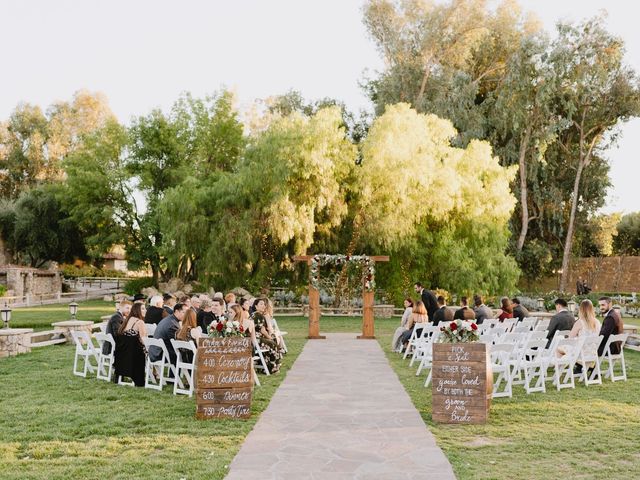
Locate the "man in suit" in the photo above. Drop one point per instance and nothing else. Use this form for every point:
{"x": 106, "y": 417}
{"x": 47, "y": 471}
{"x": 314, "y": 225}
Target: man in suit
{"x": 519, "y": 311}
{"x": 169, "y": 302}
{"x": 428, "y": 298}
{"x": 166, "y": 330}
{"x": 481, "y": 310}
{"x": 562, "y": 320}
{"x": 611, "y": 325}
{"x": 439, "y": 316}
{"x": 113, "y": 324}
{"x": 155, "y": 312}
{"x": 464, "y": 312}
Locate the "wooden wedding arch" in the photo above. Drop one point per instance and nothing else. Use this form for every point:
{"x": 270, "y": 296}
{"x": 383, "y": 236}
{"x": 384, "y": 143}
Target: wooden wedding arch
{"x": 367, "y": 292}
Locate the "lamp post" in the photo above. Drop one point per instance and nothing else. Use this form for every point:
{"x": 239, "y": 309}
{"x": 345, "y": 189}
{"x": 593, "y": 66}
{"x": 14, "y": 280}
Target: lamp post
{"x": 572, "y": 306}
{"x": 6, "y": 315}
{"x": 540, "y": 303}
{"x": 73, "y": 309}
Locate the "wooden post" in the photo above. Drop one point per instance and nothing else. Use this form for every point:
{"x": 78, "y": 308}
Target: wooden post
{"x": 367, "y": 316}
{"x": 314, "y": 314}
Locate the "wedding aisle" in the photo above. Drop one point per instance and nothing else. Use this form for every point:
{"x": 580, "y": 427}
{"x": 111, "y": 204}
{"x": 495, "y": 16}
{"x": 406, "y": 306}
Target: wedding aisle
{"x": 341, "y": 413}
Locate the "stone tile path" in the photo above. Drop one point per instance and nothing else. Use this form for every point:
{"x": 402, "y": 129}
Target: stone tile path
{"x": 341, "y": 413}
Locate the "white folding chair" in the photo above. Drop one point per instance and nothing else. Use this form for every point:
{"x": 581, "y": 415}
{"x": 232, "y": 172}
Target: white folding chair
{"x": 103, "y": 327}
{"x": 501, "y": 365}
{"x": 543, "y": 324}
{"x": 611, "y": 358}
{"x": 490, "y": 322}
{"x": 163, "y": 366}
{"x": 534, "y": 366}
{"x": 150, "y": 328}
{"x": 413, "y": 338}
{"x": 529, "y": 322}
{"x": 589, "y": 356}
{"x": 280, "y": 334}
{"x": 422, "y": 342}
{"x": 538, "y": 335}
{"x": 426, "y": 355}
{"x": 509, "y": 323}
{"x": 184, "y": 370}
{"x": 105, "y": 360}
{"x": 258, "y": 356}
{"x": 85, "y": 350}
{"x": 486, "y": 338}
{"x": 563, "y": 366}
{"x": 521, "y": 328}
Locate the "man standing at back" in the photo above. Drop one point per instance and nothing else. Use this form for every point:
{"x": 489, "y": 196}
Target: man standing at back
{"x": 429, "y": 300}
{"x": 562, "y": 320}
{"x": 165, "y": 331}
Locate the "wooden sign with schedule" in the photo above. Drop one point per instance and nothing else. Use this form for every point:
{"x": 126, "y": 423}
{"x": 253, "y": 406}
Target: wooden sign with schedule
{"x": 224, "y": 378}
{"x": 462, "y": 383}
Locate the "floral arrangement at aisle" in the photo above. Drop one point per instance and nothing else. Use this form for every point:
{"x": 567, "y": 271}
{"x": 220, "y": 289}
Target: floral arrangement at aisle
{"x": 225, "y": 328}
{"x": 368, "y": 269}
{"x": 459, "y": 331}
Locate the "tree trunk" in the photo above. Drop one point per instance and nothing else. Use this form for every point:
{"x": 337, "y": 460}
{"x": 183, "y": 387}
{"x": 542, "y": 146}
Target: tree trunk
{"x": 568, "y": 243}
{"x": 524, "y": 225}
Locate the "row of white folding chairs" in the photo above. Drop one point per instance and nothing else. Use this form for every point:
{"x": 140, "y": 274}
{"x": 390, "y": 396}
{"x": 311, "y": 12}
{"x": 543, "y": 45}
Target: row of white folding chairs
{"x": 516, "y": 364}
{"x": 149, "y": 327}
{"x": 157, "y": 373}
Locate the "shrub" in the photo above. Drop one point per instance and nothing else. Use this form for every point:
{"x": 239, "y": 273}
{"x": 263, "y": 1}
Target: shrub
{"x": 3, "y": 290}
{"x": 71, "y": 271}
{"x": 135, "y": 286}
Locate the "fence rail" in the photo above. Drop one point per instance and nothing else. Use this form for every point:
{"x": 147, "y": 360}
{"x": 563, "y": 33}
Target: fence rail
{"x": 31, "y": 299}
{"x": 83, "y": 282}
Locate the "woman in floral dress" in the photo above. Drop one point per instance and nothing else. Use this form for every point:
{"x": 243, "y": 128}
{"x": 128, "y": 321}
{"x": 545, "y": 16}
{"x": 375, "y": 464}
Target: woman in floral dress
{"x": 266, "y": 338}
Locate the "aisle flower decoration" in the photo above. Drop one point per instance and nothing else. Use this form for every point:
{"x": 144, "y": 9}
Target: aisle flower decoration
{"x": 224, "y": 327}
{"x": 321, "y": 260}
{"x": 459, "y": 331}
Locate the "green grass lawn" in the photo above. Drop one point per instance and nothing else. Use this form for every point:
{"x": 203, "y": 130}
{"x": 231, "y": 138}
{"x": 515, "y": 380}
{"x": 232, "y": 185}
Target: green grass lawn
{"x": 55, "y": 425}
{"x": 41, "y": 317}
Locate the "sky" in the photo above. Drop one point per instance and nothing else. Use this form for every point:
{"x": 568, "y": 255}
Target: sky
{"x": 142, "y": 54}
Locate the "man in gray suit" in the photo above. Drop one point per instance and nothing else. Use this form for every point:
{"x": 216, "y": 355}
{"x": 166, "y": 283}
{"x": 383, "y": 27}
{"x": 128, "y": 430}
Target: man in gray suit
{"x": 562, "y": 320}
{"x": 166, "y": 330}
{"x": 482, "y": 311}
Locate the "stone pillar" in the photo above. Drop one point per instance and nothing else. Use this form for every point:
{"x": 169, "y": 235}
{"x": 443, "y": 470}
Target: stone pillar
{"x": 14, "y": 341}
{"x": 68, "y": 326}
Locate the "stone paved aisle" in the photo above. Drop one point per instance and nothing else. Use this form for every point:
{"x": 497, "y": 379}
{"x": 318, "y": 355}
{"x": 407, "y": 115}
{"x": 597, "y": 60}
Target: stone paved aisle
{"x": 341, "y": 413}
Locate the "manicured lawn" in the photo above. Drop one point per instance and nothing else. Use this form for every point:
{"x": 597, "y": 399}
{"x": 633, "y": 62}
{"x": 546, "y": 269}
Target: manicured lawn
{"x": 55, "y": 425}
{"x": 41, "y": 317}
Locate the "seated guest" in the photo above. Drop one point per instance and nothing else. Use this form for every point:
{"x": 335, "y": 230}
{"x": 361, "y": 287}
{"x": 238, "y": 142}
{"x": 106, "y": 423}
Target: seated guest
{"x": 562, "y": 320}
{"x": 507, "y": 309}
{"x": 113, "y": 325}
{"x": 519, "y": 311}
{"x": 481, "y": 310}
{"x": 186, "y": 299}
{"x": 246, "y": 304}
{"x": 464, "y": 312}
{"x": 188, "y": 332}
{"x": 130, "y": 356}
{"x": 195, "y": 304}
{"x": 230, "y": 300}
{"x": 139, "y": 298}
{"x": 265, "y": 337}
{"x": 241, "y": 315}
{"x": 169, "y": 302}
{"x": 165, "y": 331}
{"x": 270, "y": 318}
{"x": 396, "y": 345}
{"x": 587, "y": 323}
{"x": 220, "y": 296}
{"x": 155, "y": 312}
{"x": 441, "y": 314}
{"x": 419, "y": 315}
{"x": 205, "y": 315}
{"x": 611, "y": 325}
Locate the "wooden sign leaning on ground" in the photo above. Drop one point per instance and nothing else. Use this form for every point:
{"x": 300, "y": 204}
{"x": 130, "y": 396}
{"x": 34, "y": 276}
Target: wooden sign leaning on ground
{"x": 462, "y": 383}
{"x": 224, "y": 378}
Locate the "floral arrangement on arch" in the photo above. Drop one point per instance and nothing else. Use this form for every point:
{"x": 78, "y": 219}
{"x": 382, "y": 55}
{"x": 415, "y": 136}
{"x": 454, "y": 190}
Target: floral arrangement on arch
{"x": 320, "y": 260}
{"x": 459, "y": 331}
{"x": 225, "y": 328}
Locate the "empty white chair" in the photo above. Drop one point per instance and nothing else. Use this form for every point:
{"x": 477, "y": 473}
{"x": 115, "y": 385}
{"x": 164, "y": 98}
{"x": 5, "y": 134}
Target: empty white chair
{"x": 611, "y": 358}
{"x": 422, "y": 342}
{"x": 501, "y": 365}
{"x": 529, "y": 322}
{"x": 280, "y": 334}
{"x": 490, "y": 322}
{"x": 105, "y": 360}
{"x": 543, "y": 324}
{"x": 150, "y": 328}
{"x": 534, "y": 366}
{"x": 85, "y": 350}
{"x": 486, "y": 338}
{"x": 165, "y": 370}
{"x": 538, "y": 335}
{"x": 509, "y": 323}
{"x": 521, "y": 328}
{"x": 184, "y": 369}
{"x": 103, "y": 327}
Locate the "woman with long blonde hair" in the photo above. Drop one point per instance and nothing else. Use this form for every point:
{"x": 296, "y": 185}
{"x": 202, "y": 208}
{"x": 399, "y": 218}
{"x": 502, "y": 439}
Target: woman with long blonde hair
{"x": 587, "y": 323}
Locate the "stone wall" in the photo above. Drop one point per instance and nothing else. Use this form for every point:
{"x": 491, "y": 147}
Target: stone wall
{"x": 603, "y": 274}
{"x": 23, "y": 280}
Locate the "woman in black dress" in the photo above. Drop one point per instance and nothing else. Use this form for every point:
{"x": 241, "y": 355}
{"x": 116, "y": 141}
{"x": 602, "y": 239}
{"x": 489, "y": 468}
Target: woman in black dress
{"x": 272, "y": 352}
{"x": 130, "y": 355}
